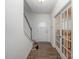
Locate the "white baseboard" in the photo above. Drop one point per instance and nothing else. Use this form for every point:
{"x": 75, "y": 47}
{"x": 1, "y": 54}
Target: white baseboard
{"x": 60, "y": 53}
{"x": 29, "y": 50}
{"x": 53, "y": 45}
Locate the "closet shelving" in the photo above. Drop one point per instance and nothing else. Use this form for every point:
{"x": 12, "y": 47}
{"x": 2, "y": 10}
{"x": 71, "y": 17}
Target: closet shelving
{"x": 58, "y": 33}
{"x": 58, "y": 38}
{"x": 63, "y": 25}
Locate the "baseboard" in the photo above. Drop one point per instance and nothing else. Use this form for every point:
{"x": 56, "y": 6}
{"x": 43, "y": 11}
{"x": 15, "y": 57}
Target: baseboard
{"x": 28, "y": 52}
{"x": 53, "y": 45}
{"x": 43, "y": 42}
{"x": 60, "y": 53}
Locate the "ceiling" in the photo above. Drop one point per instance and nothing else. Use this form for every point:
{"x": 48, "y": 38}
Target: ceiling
{"x": 44, "y": 7}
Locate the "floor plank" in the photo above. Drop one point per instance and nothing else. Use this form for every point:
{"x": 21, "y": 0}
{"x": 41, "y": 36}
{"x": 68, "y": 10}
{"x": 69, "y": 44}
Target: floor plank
{"x": 45, "y": 51}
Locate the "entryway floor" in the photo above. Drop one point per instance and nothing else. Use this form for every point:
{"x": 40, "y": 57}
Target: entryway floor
{"x": 45, "y": 51}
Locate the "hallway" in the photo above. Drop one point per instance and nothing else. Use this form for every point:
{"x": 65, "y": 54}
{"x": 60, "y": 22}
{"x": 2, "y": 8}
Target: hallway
{"x": 39, "y": 21}
{"x": 45, "y": 51}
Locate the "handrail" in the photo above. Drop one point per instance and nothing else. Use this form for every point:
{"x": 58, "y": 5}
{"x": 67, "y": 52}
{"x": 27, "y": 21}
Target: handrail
{"x": 28, "y": 22}
{"x": 28, "y": 25}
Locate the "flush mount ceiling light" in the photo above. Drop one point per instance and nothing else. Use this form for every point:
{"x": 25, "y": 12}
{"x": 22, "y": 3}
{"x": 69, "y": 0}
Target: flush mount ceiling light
{"x": 41, "y": 1}
{"x": 42, "y": 24}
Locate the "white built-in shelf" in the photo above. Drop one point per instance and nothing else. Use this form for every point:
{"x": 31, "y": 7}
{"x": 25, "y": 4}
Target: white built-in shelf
{"x": 64, "y": 26}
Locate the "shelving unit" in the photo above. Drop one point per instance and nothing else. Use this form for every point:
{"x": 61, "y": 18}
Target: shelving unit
{"x": 66, "y": 40}
{"x": 64, "y": 26}
{"x": 58, "y": 32}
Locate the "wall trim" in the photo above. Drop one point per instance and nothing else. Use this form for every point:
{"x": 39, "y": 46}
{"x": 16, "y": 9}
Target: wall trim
{"x": 28, "y": 52}
{"x": 60, "y": 53}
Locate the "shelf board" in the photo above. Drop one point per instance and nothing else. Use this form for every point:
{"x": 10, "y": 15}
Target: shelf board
{"x": 67, "y": 50}
{"x": 58, "y": 35}
{"x": 68, "y": 40}
{"x": 63, "y": 21}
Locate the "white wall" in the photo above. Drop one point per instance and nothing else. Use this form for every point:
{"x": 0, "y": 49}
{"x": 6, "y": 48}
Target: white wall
{"x": 40, "y": 33}
{"x": 17, "y": 45}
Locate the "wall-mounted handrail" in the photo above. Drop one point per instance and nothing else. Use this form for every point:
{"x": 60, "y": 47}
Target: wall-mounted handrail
{"x": 28, "y": 25}
{"x": 27, "y": 22}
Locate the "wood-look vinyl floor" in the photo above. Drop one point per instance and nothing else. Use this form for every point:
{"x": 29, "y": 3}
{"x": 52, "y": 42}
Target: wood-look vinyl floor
{"x": 45, "y": 51}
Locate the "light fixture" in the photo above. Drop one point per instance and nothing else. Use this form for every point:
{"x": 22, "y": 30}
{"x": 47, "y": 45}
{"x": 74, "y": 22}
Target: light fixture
{"x": 41, "y": 1}
{"x": 42, "y": 24}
